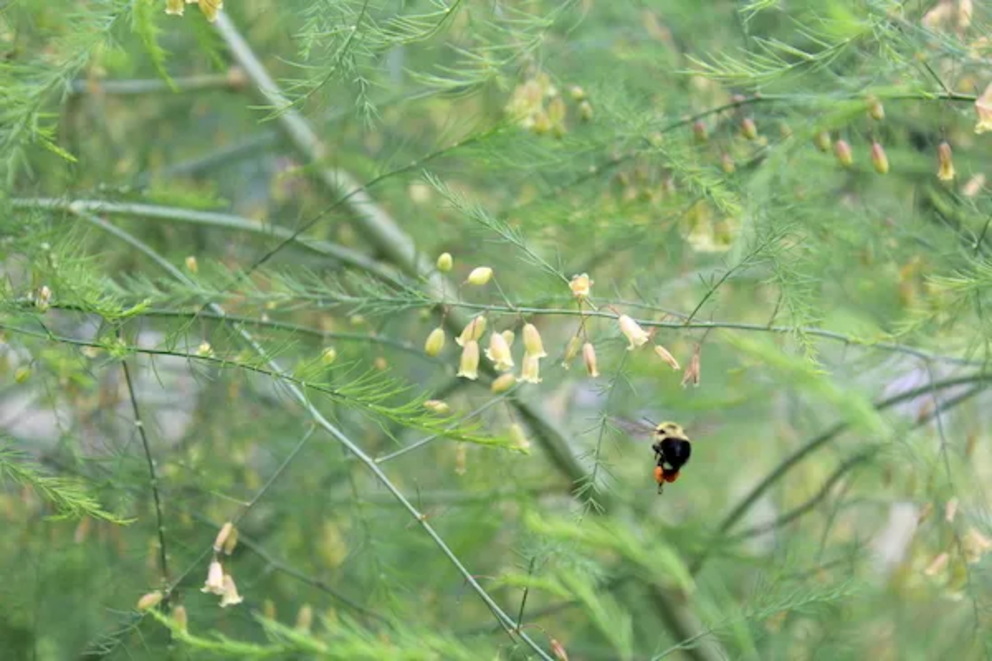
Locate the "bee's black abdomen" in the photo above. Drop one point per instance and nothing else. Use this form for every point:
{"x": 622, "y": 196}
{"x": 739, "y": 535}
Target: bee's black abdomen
{"x": 676, "y": 452}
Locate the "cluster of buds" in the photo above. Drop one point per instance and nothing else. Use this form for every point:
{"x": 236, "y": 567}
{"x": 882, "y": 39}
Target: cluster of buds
{"x": 208, "y": 8}
{"x": 218, "y": 581}
{"x": 538, "y": 106}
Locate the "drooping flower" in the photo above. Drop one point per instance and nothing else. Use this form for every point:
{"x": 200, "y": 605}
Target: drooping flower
{"x": 580, "y": 285}
{"x": 975, "y": 545}
{"x": 636, "y": 335}
{"x": 822, "y": 141}
{"x": 304, "y": 618}
{"x": 875, "y": 109}
{"x": 533, "y": 344}
{"x": 175, "y": 7}
{"x": 215, "y": 579}
{"x": 221, "y": 540}
{"x": 945, "y": 171}
{"x": 329, "y": 355}
{"x": 192, "y": 265}
{"x": 693, "y": 372}
{"x": 474, "y": 330}
{"x": 468, "y": 367}
{"x": 878, "y": 158}
{"x": 666, "y": 356}
{"x": 519, "y": 436}
{"x": 589, "y": 357}
{"x": 180, "y": 618}
{"x": 229, "y": 596}
{"x": 435, "y": 342}
{"x": 209, "y": 8}
{"x": 480, "y": 275}
{"x": 983, "y": 107}
{"x": 749, "y": 129}
{"x": 842, "y": 151}
{"x": 531, "y": 371}
{"x": 509, "y": 336}
{"x": 499, "y": 352}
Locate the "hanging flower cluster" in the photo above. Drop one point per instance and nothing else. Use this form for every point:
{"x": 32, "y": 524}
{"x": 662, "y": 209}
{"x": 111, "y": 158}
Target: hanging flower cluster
{"x": 219, "y": 581}
{"x": 208, "y": 8}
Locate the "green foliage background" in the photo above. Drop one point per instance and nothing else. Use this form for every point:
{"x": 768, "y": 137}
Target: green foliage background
{"x": 245, "y": 266}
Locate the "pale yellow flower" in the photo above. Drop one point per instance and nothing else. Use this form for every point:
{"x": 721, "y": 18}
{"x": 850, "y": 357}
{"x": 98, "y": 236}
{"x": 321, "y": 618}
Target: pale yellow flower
{"x": 532, "y": 341}
{"x": 519, "y": 436}
{"x": 474, "y": 330}
{"x": 468, "y": 368}
{"x": 589, "y": 357}
{"x": 580, "y": 285}
{"x": 983, "y": 107}
{"x": 221, "y": 540}
{"x": 215, "y": 579}
{"x": 531, "y": 372}
{"x": 175, "y": 7}
{"x": 209, "y": 8}
{"x": 975, "y": 545}
{"x": 499, "y": 352}
{"x": 437, "y": 406}
{"x": 636, "y": 335}
{"x": 945, "y": 171}
{"x": 229, "y": 596}
{"x": 571, "y": 351}
{"x": 509, "y": 336}
{"x": 180, "y": 618}
{"x": 693, "y": 372}
{"x": 664, "y": 354}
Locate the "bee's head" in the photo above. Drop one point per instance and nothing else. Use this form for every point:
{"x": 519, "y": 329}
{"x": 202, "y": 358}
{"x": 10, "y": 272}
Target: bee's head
{"x": 670, "y": 430}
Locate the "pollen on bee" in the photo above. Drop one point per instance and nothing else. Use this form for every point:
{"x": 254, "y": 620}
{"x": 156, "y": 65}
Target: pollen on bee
{"x": 659, "y": 474}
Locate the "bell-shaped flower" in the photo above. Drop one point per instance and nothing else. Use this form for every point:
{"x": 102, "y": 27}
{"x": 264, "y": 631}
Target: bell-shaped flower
{"x": 474, "y": 330}
{"x": 533, "y": 344}
{"x": 229, "y": 596}
{"x": 499, "y": 352}
{"x": 468, "y": 367}
{"x": 215, "y": 578}
{"x": 589, "y": 357}
{"x": 531, "y": 371}
{"x": 636, "y": 335}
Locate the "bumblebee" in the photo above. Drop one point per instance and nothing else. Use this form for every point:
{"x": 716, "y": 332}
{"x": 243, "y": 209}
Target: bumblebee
{"x": 672, "y": 450}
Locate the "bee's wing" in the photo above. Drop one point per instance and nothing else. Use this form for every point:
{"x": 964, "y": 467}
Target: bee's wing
{"x": 636, "y": 428}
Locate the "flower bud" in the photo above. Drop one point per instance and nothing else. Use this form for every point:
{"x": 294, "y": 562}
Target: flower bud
{"x": 727, "y": 163}
{"x": 474, "y": 330}
{"x": 221, "y": 540}
{"x": 480, "y": 275}
{"x": 749, "y": 129}
{"x": 445, "y": 262}
{"x": 822, "y": 141}
{"x": 44, "y": 298}
{"x": 532, "y": 341}
{"x": 875, "y": 109}
{"x": 589, "y": 357}
{"x": 842, "y": 151}
{"x": 635, "y": 334}
{"x": 946, "y": 170}
{"x": 879, "y": 159}
{"x": 580, "y": 285}
{"x": 180, "y": 618}
{"x": 328, "y": 355}
{"x": 435, "y": 342}
{"x": 461, "y": 459}
{"x": 784, "y": 130}
{"x": 468, "y": 368}
{"x": 499, "y": 352}
{"x": 22, "y": 374}
{"x": 509, "y": 336}
{"x": 974, "y": 185}
{"x": 503, "y": 383}
{"x": 664, "y": 354}
{"x": 937, "y": 564}
{"x": 983, "y": 108}
{"x": 559, "y": 650}
{"x": 577, "y": 93}
{"x": 175, "y": 7}
{"x": 531, "y": 372}
{"x": 699, "y": 131}
{"x": 437, "y": 406}
{"x": 150, "y": 600}
{"x": 304, "y": 618}
{"x": 192, "y": 265}
{"x": 585, "y": 111}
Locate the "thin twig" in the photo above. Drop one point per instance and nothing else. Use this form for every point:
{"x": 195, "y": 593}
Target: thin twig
{"x": 163, "y": 555}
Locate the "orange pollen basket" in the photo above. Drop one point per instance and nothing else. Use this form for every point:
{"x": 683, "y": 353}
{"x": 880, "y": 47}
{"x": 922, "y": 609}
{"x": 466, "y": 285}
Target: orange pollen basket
{"x": 659, "y": 474}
